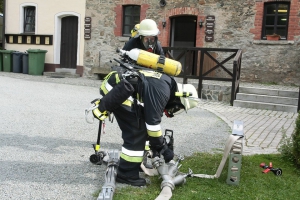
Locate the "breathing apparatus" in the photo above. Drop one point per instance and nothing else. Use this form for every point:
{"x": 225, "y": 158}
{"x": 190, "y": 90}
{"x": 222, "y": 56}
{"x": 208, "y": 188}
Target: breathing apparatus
{"x": 148, "y": 32}
{"x": 149, "y": 42}
{"x": 156, "y": 62}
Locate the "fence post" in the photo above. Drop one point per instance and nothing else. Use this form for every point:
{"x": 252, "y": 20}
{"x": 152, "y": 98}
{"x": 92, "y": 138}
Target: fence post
{"x": 200, "y": 83}
{"x": 233, "y": 82}
{"x": 298, "y": 109}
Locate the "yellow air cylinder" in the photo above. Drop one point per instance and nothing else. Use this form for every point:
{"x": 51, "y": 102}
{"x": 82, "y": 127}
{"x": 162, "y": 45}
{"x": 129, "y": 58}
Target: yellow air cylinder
{"x": 156, "y": 62}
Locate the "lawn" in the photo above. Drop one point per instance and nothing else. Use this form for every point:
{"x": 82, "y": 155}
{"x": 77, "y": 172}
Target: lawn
{"x": 253, "y": 185}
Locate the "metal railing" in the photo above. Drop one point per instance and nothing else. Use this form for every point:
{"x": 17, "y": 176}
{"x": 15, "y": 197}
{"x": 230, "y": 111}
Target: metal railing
{"x": 201, "y": 64}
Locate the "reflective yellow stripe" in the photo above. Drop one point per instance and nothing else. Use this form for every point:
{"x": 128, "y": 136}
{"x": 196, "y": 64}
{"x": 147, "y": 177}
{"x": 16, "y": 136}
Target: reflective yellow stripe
{"x": 127, "y": 103}
{"x": 117, "y": 78}
{"x": 103, "y": 85}
{"x": 136, "y": 159}
{"x": 183, "y": 94}
{"x": 154, "y": 133}
{"x": 103, "y": 88}
{"x": 147, "y": 148}
{"x": 97, "y": 147}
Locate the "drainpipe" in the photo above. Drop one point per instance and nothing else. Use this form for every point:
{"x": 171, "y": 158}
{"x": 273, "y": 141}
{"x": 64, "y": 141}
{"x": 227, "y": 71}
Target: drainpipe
{"x": 3, "y": 28}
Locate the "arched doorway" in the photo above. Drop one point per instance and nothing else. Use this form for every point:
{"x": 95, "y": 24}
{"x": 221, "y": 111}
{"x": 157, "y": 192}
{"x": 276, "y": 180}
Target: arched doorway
{"x": 68, "y": 45}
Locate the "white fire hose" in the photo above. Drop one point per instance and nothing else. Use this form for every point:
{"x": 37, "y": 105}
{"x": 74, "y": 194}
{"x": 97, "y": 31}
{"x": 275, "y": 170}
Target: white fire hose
{"x": 234, "y": 144}
{"x": 168, "y": 171}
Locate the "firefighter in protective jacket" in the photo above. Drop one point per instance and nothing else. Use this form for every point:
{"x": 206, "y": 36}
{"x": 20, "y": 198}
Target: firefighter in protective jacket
{"x": 139, "y": 116}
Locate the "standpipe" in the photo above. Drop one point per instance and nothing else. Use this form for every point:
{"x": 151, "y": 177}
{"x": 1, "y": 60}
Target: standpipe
{"x": 169, "y": 174}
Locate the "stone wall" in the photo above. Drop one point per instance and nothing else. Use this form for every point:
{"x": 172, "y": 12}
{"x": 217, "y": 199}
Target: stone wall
{"x": 236, "y": 26}
{"x": 216, "y": 93}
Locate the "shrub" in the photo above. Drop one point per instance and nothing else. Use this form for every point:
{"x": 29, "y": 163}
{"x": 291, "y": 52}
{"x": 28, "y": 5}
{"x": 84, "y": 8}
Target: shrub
{"x": 290, "y": 147}
{"x": 286, "y": 148}
{"x": 296, "y": 141}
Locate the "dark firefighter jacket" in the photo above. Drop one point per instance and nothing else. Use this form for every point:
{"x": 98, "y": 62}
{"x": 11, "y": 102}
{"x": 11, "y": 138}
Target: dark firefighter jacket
{"x": 153, "y": 93}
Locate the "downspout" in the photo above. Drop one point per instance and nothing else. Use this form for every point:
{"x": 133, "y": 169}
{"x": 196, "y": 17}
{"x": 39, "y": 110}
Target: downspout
{"x": 3, "y": 27}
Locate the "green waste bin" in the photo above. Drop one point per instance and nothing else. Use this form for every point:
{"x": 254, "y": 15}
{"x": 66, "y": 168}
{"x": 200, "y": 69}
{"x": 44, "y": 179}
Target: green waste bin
{"x": 36, "y": 61}
{"x": 7, "y": 60}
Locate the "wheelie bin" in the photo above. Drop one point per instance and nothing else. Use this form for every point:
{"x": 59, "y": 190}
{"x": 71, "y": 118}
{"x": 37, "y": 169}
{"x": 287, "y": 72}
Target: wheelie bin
{"x": 17, "y": 62}
{"x": 7, "y": 60}
{"x": 36, "y": 61}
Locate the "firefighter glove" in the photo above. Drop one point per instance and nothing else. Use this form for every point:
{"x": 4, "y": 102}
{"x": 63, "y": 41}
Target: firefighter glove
{"x": 168, "y": 155}
{"x": 97, "y": 113}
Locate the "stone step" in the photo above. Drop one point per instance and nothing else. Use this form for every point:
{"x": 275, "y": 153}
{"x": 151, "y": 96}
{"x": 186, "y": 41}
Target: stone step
{"x": 65, "y": 70}
{"x": 267, "y": 99}
{"x": 61, "y": 75}
{"x": 265, "y": 106}
{"x": 269, "y": 92}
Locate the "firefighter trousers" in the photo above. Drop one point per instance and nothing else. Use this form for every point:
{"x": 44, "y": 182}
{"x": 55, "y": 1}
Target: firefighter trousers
{"x": 134, "y": 135}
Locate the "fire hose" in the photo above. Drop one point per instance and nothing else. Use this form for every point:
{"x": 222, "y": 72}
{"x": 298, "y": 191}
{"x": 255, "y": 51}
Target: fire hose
{"x": 233, "y": 148}
{"x": 169, "y": 171}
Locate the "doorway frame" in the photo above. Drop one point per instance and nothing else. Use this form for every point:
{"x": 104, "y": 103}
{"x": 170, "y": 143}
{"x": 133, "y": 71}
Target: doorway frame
{"x": 57, "y": 35}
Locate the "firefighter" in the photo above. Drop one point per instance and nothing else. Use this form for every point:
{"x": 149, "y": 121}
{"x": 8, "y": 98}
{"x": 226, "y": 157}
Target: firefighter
{"x": 139, "y": 117}
{"x": 146, "y": 39}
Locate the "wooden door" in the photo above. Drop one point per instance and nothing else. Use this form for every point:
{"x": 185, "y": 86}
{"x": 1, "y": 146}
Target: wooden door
{"x": 183, "y": 34}
{"x": 69, "y": 38}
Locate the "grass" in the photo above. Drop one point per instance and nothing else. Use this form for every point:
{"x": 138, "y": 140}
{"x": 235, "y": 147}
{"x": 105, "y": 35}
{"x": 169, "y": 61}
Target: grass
{"x": 253, "y": 185}
{"x": 270, "y": 83}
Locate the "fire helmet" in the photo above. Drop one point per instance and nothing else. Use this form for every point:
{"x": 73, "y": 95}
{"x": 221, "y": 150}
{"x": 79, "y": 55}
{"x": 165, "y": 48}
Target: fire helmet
{"x": 135, "y": 30}
{"x": 186, "y": 98}
{"x": 148, "y": 34}
{"x": 191, "y": 101}
{"x": 148, "y": 27}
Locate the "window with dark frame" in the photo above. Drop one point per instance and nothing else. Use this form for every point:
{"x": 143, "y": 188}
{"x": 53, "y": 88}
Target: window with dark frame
{"x": 29, "y": 19}
{"x": 131, "y": 17}
{"x": 276, "y": 18}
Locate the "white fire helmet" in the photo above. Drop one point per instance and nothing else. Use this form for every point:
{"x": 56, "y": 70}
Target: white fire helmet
{"x": 148, "y": 27}
{"x": 191, "y": 101}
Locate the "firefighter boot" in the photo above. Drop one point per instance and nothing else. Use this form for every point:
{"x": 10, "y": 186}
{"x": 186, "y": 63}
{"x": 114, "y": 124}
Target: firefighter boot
{"x": 134, "y": 180}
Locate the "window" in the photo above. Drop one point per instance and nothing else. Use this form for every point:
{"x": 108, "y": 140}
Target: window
{"x": 29, "y": 19}
{"x": 276, "y": 17}
{"x": 131, "y": 17}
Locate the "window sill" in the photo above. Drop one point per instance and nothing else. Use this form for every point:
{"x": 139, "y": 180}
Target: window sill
{"x": 279, "y": 42}
{"x": 27, "y": 33}
{"x": 123, "y": 39}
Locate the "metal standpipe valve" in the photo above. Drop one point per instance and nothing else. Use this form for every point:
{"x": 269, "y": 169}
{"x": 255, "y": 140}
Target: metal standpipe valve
{"x": 169, "y": 171}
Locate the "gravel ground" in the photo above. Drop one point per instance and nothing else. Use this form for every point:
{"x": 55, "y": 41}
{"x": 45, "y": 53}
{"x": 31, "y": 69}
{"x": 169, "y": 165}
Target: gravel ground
{"x": 45, "y": 142}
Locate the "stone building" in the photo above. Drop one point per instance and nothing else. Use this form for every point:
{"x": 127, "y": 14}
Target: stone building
{"x": 241, "y": 24}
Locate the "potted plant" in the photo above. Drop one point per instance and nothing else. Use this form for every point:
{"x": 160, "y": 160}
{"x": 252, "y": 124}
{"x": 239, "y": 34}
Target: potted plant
{"x": 274, "y": 36}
